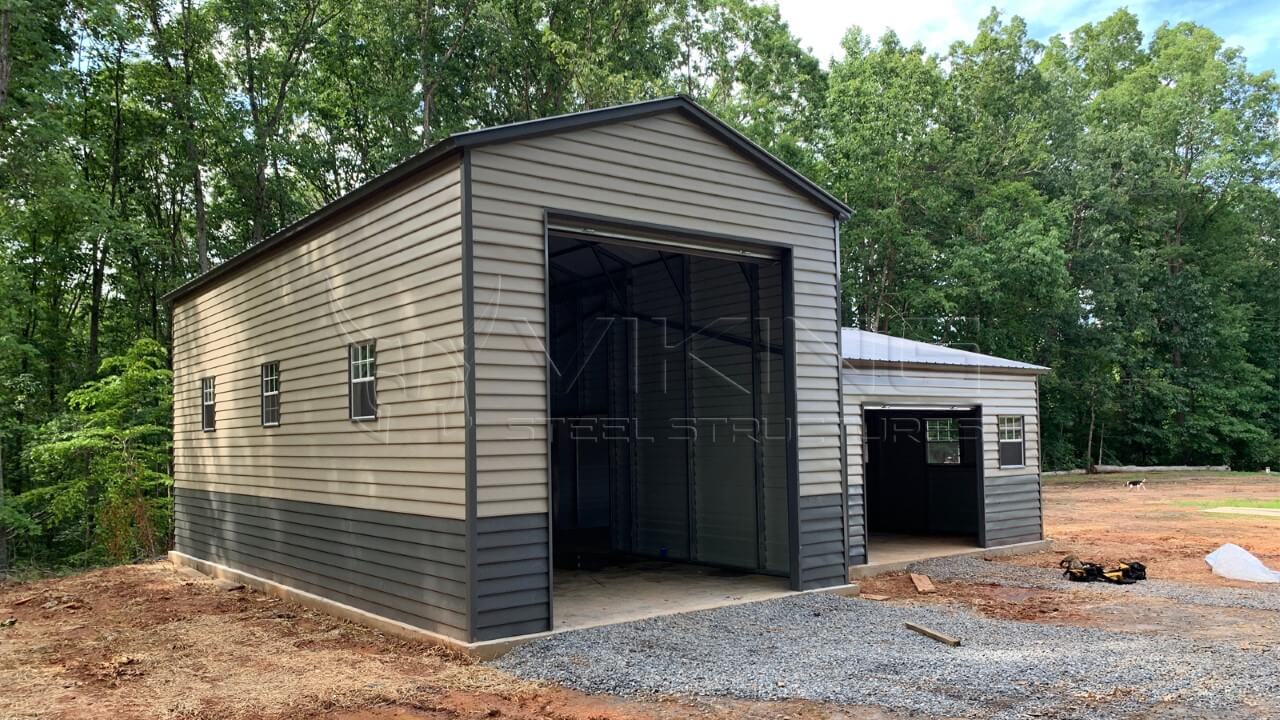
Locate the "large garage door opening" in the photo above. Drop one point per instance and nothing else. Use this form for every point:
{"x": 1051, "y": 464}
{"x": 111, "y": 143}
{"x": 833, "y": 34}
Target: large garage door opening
{"x": 668, "y": 434}
{"x": 923, "y": 482}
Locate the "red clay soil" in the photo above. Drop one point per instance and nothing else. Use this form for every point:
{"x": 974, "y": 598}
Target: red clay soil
{"x": 1105, "y": 522}
{"x": 147, "y": 641}
{"x": 1102, "y": 521}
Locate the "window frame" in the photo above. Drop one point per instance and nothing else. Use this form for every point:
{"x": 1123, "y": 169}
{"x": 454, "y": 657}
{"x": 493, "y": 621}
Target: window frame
{"x": 371, "y": 377}
{"x": 1020, "y": 441}
{"x": 262, "y": 387}
{"x": 954, "y": 438}
{"x": 208, "y": 404}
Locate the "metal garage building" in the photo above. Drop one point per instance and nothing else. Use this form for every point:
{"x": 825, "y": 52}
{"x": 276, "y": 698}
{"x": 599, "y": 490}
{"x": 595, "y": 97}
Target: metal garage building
{"x": 943, "y": 448}
{"x": 556, "y": 343}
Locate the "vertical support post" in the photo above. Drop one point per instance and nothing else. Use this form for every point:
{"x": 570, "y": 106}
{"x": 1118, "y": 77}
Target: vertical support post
{"x": 686, "y": 311}
{"x": 633, "y": 410}
{"x": 757, "y": 411}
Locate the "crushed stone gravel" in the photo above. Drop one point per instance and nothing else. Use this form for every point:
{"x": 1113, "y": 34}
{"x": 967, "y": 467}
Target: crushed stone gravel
{"x": 849, "y": 651}
{"x": 976, "y": 570}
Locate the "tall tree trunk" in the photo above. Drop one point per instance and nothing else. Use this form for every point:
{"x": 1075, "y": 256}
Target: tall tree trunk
{"x": 95, "y": 298}
{"x": 1088, "y": 448}
{"x": 6, "y": 57}
{"x": 425, "y": 51}
{"x": 430, "y": 69}
{"x": 185, "y": 115}
{"x": 193, "y": 151}
{"x": 100, "y": 246}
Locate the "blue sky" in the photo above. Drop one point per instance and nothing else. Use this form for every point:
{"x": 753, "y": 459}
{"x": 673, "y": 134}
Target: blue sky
{"x": 820, "y": 24}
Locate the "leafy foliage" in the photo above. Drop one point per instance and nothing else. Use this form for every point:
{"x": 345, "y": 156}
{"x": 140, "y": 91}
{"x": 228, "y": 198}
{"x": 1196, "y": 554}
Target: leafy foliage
{"x": 100, "y": 471}
{"x": 1104, "y": 203}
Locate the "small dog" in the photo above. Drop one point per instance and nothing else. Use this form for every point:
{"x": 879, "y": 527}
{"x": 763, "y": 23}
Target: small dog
{"x": 1137, "y": 484}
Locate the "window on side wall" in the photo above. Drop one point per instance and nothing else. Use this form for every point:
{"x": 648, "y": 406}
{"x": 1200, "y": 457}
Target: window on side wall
{"x": 942, "y": 441}
{"x": 270, "y": 394}
{"x": 207, "y": 413}
{"x": 1012, "y": 445}
{"x": 364, "y": 381}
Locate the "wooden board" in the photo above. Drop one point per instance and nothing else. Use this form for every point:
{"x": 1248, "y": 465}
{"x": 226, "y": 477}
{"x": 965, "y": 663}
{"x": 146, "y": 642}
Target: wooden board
{"x": 872, "y": 596}
{"x": 934, "y": 634}
{"x": 923, "y": 583}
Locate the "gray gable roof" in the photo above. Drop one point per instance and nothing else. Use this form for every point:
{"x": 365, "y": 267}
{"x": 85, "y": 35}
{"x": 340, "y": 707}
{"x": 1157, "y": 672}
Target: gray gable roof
{"x": 456, "y": 143}
{"x": 865, "y": 347}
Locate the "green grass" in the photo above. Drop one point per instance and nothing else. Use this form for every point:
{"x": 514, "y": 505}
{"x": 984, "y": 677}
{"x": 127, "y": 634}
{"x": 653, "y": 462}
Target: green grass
{"x": 1207, "y": 476}
{"x": 1232, "y": 502}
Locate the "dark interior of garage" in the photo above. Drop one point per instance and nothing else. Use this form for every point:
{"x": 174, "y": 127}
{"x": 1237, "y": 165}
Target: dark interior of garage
{"x": 923, "y": 472}
{"x": 667, "y": 404}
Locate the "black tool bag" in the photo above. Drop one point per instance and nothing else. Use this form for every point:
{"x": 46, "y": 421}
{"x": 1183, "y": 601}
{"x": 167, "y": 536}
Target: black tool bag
{"x": 1133, "y": 570}
{"x": 1126, "y": 573}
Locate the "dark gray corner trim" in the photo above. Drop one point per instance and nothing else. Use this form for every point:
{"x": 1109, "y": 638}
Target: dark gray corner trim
{"x": 454, "y": 144}
{"x": 546, "y": 323}
{"x": 789, "y": 412}
{"x": 981, "y": 481}
{"x": 469, "y": 389}
{"x": 844, "y": 435}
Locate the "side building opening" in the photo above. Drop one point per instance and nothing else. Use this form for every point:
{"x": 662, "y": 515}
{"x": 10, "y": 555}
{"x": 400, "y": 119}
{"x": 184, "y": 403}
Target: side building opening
{"x": 923, "y": 481}
{"x": 669, "y": 446}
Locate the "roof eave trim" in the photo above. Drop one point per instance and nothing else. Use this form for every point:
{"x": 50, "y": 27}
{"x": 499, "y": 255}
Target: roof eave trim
{"x": 766, "y": 160}
{"x": 413, "y": 166}
{"x": 518, "y": 131}
{"x": 682, "y": 103}
{"x": 955, "y": 367}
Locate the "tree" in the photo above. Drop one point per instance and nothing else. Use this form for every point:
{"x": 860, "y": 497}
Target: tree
{"x": 100, "y": 471}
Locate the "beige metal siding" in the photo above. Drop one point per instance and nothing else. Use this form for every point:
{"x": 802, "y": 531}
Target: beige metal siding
{"x": 1012, "y": 502}
{"x": 663, "y": 170}
{"x": 997, "y": 393}
{"x": 391, "y": 273}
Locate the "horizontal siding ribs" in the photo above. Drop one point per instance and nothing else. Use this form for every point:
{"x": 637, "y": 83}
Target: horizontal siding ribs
{"x": 392, "y": 273}
{"x": 405, "y": 567}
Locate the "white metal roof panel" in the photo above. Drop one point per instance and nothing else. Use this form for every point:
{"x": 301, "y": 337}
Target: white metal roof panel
{"x": 865, "y": 346}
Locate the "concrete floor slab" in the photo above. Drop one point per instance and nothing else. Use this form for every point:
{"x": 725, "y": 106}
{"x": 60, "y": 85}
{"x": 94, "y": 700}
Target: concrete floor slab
{"x": 621, "y": 593}
{"x": 913, "y": 548}
{"x": 893, "y": 553}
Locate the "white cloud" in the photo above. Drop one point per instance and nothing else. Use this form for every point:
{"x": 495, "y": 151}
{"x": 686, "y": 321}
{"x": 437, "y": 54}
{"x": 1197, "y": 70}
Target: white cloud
{"x": 821, "y": 24}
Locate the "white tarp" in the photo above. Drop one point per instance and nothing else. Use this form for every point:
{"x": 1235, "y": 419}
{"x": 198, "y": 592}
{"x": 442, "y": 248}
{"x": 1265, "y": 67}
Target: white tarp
{"x": 1234, "y": 562}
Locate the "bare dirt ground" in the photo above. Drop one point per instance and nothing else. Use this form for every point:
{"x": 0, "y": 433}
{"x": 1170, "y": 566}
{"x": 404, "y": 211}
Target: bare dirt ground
{"x": 1164, "y": 527}
{"x": 146, "y": 641}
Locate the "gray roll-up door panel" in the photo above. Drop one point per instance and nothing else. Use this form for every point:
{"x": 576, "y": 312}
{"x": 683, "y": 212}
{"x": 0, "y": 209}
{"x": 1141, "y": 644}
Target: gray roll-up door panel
{"x": 773, "y": 430}
{"x": 724, "y": 462}
{"x": 661, "y": 506}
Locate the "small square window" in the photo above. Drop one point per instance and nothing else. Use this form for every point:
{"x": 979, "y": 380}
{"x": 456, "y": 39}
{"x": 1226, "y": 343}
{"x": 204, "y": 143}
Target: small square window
{"x": 1012, "y": 444}
{"x": 207, "y": 412}
{"x": 363, "y": 372}
{"x": 270, "y": 394}
{"x": 942, "y": 441}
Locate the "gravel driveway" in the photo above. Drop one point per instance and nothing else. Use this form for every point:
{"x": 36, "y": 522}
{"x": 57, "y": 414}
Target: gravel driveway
{"x": 850, "y": 651}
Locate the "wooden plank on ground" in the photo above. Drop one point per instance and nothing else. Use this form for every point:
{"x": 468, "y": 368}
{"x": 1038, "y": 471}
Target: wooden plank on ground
{"x": 873, "y": 596}
{"x": 932, "y": 634}
{"x": 923, "y": 583}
